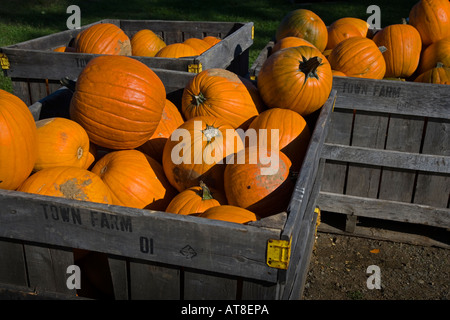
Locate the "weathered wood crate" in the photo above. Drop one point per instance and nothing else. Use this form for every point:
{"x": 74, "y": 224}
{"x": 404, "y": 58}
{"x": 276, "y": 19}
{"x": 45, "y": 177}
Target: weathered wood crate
{"x": 387, "y": 172}
{"x": 35, "y": 69}
{"x": 157, "y": 255}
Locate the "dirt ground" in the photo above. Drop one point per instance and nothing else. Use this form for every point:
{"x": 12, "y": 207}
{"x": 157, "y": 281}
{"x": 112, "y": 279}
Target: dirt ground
{"x": 338, "y": 270}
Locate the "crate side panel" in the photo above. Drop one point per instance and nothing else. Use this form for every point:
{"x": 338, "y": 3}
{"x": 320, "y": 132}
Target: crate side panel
{"x": 185, "y": 241}
{"x": 47, "y": 268}
{"x": 151, "y": 281}
{"x": 12, "y": 263}
{"x": 434, "y": 189}
{"x": 209, "y": 286}
{"x": 369, "y": 130}
{"x": 404, "y": 134}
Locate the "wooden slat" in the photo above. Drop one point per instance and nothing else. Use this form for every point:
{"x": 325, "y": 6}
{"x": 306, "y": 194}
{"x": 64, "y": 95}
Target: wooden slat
{"x": 178, "y": 240}
{"x": 385, "y": 209}
{"x": 387, "y": 158}
{"x": 13, "y": 268}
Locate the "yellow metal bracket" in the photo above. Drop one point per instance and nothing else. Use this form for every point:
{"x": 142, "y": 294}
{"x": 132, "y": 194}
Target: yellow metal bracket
{"x": 195, "y": 68}
{"x": 278, "y": 253}
{"x": 4, "y": 62}
{"x": 253, "y": 32}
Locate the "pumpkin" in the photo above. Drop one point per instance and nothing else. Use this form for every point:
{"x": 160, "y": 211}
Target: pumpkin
{"x": 146, "y": 43}
{"x": 17, "y": 141}
{"x": 68, "y": 182}
{"x": 118, "y": 101}
{"x": 439, "y": 75}
{"x": 438, "y": 51}
{"x": 212, "y": 40}
{"x": 199, "y": 45}
{"x": 195, "y": 200}
{"x": 103, "y": 38}
{"x": 170, "y": 120}
{"x": 403, "y": 44}
{"x": 292, "y": 131}
{"x": 229, "y": 213}
{"x": 176, "y": 50}
{"x": 297, "y": 78}
{"x": 259, "y": 181}
{"x": 338, "y": 73}
{"x": 432, "y": 19}
{"x": 304, "y": 24}
{"x": 220, "y": 93}
{"x": 135, "y": 180}
{"x": 61, "y": 142}
{"x": 361, "y": 25}
{"x": 339, "y": 31}
{"x": 358, "y": 57}
{"x": 64, "y": 49}
{"x": 198, "y": 150}
{"x": 289, "y": 42}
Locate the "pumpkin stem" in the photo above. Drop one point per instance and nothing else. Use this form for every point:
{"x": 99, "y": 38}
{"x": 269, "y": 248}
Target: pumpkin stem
{"x": 206, "y": 193}
{"x": 210, "y": 133}
{"x": 309, "y": 67}
{"x": 383, "y": 49}
{"x": 198, "y": 99}
{"x": 79, "y": 152}
{"x": 439, "y": 65}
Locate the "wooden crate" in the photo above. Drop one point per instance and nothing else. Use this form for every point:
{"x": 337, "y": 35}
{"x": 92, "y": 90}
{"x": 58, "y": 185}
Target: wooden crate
{"x": 158, "y": 255}
{"x": 36, "y": 70}
{"x": 387, "y": 172}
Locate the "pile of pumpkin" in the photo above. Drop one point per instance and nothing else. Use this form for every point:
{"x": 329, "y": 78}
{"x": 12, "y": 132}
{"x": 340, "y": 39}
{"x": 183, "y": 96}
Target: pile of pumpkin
{"x": 415, "y": 51}
{"x": 107, "y": 38}
{"x": 124, "y": 143}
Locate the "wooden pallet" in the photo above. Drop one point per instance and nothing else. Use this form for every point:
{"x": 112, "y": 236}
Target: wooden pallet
{"x": 36, "y": 70}
{"x": 387, "y": 157}
{"x": 157, "y": 255}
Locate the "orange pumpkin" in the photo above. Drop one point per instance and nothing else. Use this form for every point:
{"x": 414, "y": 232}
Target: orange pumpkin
{"x": 297, "y": 78}
{"x": 289, "y": 42}
{"x": 229, "y": 213}
{"x": 195, "y": 200}
{"x": 338, "y": 73}
{"x": 199, "y": 45}
{"x": 212, "y": 40}
{"x": 361, "y": 25}
{"x": 198, "y": 150}
{"x": 292, "y": 131}
{"x": 263, "y": 187}
{"x": 358, "y": 57}
{"x": 432, "y": 19}
{"x": 135, "y": 180}
{"x": 103, "y": 38}
{"x": 114, "y": 94}
{"x": 176, "y": 50}
{"x": 17, "y": 141}
{"x": 61, "y": 142}
{"x": 339, "y": 31}
{"x": 170, "y": 120}
{"x": 438, "y": 51}
{"x": 146, "y": 43}
{"x": 439, "y": 75}
{"x": 403, "y": 44}
{"x": 304, "y": 24}
{"x": 220, "y": 93}
{"x": 68, "y": 182}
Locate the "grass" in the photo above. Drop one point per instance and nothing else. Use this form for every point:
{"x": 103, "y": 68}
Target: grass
{"x": 22, "y": 20}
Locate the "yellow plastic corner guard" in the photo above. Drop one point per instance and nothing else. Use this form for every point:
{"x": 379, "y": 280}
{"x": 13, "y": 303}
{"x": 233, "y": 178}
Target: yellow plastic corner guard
{"x": 4, "y": 62}
{"x": 278, "y": 253}
{"x": 195, "y": 68}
